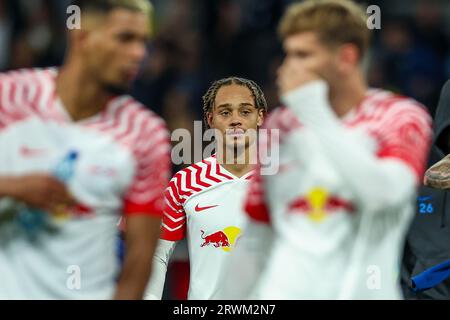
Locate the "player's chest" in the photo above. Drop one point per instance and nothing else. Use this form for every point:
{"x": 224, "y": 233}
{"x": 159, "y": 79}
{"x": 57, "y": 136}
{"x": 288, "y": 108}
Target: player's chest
{"x": 219, "y": 207}
{"x": 216, "y": 218}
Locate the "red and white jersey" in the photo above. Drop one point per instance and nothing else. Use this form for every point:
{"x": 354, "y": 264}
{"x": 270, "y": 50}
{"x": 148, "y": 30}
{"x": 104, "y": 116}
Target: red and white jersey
{"x": 122, "y": 168}
{"x": 322, "y": 224}
{"x": 204, "y": 202}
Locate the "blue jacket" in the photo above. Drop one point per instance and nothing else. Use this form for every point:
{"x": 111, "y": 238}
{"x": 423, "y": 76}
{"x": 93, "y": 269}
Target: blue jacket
{"x": 428, "y": 240}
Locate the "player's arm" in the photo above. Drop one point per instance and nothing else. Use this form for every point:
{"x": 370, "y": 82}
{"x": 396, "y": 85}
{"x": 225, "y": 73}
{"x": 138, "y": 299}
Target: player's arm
{"x": 377, "y": 181}
{"x": 173, "y": 229}
{"x": 155, "y": 286}
{"x": 143, "y": 208}
{"x": 40, "y": 191}
{"x": 141, "y": 235}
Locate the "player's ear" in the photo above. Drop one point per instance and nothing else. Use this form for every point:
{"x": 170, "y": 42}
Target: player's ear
{"x": 78, "y": 38}
{"x": 348, "y": 57}
{"x": 209, "y": 119}
{"x": 260, "y": 117}
{"x": 81, "y": 38}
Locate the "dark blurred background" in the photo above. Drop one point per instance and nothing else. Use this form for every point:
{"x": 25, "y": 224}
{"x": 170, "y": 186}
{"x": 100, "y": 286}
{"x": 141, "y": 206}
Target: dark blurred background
{"x": 198, "y": 41}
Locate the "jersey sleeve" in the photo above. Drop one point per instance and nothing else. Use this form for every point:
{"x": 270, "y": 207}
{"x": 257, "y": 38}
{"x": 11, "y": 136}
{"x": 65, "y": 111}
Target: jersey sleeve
{"x": 146, "y": 192}
{"x": 173, "y": 227}
{"x": 406, "y": 135}
{"x": 15, "y": 87}
{"x": 255, "y": 204}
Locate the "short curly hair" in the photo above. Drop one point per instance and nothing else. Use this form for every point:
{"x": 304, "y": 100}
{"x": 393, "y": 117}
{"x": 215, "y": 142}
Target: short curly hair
{"x": 105, "y": 6}
{"x": 210, "y": 95}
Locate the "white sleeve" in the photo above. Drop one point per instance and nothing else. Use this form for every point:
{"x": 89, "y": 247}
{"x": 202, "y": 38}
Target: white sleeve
{"x": 376, "y": 183}
{"x": 155, "y": 286}
{"x": 247, "y": 261}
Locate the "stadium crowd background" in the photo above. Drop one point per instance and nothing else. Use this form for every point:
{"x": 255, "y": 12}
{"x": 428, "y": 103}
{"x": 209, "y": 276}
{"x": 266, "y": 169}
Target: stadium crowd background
{"x": 198, "y": 41}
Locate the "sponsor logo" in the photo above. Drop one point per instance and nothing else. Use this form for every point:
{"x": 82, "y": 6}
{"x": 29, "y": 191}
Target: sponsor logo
{"x": 224, "y": 239}
{"x": 28, "y": 152}
{"x": 97, "y": 170}
{"x": 62, "y": 213}
{"x": 200, "y": 209}
{"x": 318, "y": 203}
{"x": 425, "y": 206}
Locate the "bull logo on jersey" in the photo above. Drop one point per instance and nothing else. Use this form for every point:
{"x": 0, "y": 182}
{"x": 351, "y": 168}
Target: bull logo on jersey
{"x": 225, "y": 239}
{"x": 318, "y": 203}
{"x": 62, "y": 213}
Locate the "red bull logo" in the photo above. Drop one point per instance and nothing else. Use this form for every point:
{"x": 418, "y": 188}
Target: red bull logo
{"x": 63, "y": 213}
{"x": 225, "y": 239}
{"x": 318, "y": 203}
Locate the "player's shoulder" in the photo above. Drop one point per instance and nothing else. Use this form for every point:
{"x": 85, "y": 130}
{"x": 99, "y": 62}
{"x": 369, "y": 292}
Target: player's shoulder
{"x": 196, "y": 169}
{"x": 281, "y": 118}
{"x": 387, "y": 104}
{"x": 139, "y": 129}
{"x": 200, "y": 176}
{"x": 276, "y": 116}
{"x": 26, "y": 86}
{"x": 137, "y": 113}
{"x": 27, "y": 78}
{"x": 20, "y": 74}
{"x": 383, "y": 110}
{"x": 137, "y": 126}
{"x": 446, "y": 88}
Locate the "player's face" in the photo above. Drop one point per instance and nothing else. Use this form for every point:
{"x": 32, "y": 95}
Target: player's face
{"x": 307, "y": 49}
{"x": 234, "y": 113}
{"x": 116, "y": 48}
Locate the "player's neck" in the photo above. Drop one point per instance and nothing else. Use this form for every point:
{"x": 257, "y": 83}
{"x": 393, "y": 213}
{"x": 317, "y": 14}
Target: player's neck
{"x": 347, "y": 94}
{"x": 81, "y": 96}
{"x": 236, "y": 166}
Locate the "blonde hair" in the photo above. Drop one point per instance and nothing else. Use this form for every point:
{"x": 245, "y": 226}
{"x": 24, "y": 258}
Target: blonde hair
{"x": 104, "y": 6}
{"x": 336, "y": 22}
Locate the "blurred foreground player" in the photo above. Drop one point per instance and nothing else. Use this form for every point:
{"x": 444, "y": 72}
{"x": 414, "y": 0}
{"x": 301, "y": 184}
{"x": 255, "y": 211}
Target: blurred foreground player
{"x": 204, "y": 202}
{"x": 76, "y": 154}
{"x": 350, "y": 162}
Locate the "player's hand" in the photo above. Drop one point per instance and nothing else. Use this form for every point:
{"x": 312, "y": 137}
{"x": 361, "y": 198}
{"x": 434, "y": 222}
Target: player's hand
{"x": 40, "y": 191}
{"x": 292, "y": 75}
{"x": 438, "y": 175}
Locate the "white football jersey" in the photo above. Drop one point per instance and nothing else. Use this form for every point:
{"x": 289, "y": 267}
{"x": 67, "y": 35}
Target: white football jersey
{"x": 326, "y": 236}
{"x": 204, "y": 202}
{"x": 122, "y": 167}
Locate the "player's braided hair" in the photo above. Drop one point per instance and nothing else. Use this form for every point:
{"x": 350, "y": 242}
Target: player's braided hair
{"x": 210, "y": 95}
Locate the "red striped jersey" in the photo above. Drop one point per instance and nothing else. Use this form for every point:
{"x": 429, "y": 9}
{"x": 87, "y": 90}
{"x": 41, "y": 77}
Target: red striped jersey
{"x": 316, "y": 212}
{"x": 204, "y": 203}
{"x": 122, "y": 168}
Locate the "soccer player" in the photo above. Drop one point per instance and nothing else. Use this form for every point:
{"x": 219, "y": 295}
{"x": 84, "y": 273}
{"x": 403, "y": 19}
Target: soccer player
{"x": 350, "y": 161}
{"x": 204, "y": 202}
{"x": 77, "y": 153}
